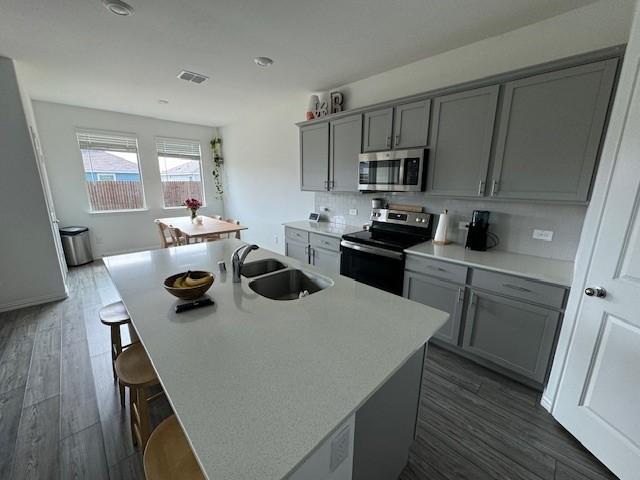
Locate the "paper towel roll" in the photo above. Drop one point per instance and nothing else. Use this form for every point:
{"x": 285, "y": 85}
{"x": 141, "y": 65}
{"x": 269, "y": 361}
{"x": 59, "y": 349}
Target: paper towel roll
{"x": 442, "y": 230}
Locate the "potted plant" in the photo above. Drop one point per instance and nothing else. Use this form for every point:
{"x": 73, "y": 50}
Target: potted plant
{"x": 216, "y": 148}
{"x": 193, "y": 204}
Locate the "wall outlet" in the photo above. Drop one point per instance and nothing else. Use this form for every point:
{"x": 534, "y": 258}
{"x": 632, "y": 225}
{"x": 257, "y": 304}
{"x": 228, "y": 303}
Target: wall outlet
{"x": 340, "y": 448}
{"x": 546, "y": 235}
{"x": 322, "y": 208}
{"x": 463, "y": 226}
{"x": 353, "y": 211}
{"x": 275, "y": 239}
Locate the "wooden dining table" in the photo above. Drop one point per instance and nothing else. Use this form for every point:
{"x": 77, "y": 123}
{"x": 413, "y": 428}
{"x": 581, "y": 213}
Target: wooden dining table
{"x": 209, "y": 226}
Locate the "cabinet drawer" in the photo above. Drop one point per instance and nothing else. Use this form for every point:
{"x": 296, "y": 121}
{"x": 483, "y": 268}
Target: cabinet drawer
{"x": 296, "y": 235}
{"x": 519, "y": 287}
{"x": 444, "y": 270}
{"x": 323, "y": 241}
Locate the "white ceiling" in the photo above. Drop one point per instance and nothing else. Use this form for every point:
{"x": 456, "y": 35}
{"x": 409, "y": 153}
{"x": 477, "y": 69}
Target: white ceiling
{"x": 76, "y": 52}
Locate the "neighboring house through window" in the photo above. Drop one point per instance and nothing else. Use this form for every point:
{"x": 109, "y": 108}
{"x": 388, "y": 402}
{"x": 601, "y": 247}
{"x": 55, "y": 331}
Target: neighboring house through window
{"x": 112, "y": 170}
{"x": 180, "y": 170}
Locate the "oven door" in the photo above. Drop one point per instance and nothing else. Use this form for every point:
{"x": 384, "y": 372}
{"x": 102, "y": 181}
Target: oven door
{"x": 396, "y": 171}
{"x": 378, "y": 267}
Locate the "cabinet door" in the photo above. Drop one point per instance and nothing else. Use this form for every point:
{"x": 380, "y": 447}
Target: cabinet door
{"x": 326, "y": 261}
{"x": 551, "y": 126}
{"x": 435, "y": 293}
{"x": 411, "y": 126}
{"x": 345, "y": 142}
{"x": 512, "y": 334}
{"x": 461, "y": 137}
{"x": 297, "y": 250}
{"x": 377, "y": 130}
{"x": 314, "y": 157}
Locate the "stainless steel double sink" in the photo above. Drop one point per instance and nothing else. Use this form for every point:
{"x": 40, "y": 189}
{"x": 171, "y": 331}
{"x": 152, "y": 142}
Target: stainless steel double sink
{"x": 278, "y": 282}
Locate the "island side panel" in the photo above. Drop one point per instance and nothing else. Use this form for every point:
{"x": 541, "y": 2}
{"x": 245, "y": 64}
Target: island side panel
{"x": 385, "y": 425}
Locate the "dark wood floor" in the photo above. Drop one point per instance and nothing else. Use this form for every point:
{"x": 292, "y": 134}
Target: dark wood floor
{"x": 60, "y": 415}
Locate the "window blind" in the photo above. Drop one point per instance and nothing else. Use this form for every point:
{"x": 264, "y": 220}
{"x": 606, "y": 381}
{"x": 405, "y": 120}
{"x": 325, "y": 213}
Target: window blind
{"x": 91, "y": 140}
{"x": 175, "y": 148}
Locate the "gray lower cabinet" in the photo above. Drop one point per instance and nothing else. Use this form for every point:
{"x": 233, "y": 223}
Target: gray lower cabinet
{"x": 297, "y": 250}
{"x": 551, "y": 126}
{"x": 377, "y": 130}
{"x": 314, "y": 157}
{"x": 512, "y": 334}
{"x": 326, "y": 261}
{"x": 411, "y": 124}
{"x": 344, "y": 147}
{"x": 438, "y": 294}
{"x": 461, "y": 136}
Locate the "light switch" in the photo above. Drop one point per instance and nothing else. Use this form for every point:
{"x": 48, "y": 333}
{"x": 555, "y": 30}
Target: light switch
{"x": 353, "y": 211}
{"x": 546, "y": 235}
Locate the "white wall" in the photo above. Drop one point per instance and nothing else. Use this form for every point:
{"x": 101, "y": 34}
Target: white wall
{"x": 263, "y": 174}
{"x": 114, "y": 232}
{"x": 262, "y": 158}
{"x": 29, "y": 270}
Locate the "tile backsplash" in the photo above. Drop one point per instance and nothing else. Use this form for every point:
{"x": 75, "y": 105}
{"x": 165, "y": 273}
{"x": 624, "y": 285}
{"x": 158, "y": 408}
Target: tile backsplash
{"x": 512, "y": 222}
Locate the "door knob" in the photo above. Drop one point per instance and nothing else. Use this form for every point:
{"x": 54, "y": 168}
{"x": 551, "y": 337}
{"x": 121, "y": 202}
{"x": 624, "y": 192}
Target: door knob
{"x": 595, "y": 292}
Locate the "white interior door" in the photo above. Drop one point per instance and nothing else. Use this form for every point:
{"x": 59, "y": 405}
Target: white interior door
{"x": 42, "y": 169}
{"x": 599, "y": 395}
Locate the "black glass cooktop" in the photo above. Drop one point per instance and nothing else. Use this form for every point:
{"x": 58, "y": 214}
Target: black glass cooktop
{"x": 383, "y": 238}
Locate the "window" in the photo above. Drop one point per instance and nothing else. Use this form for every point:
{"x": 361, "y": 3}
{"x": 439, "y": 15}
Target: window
{"x": 180, "y": 171}
{"x": 111, "y": 170}
{"x": 106, "y": 177}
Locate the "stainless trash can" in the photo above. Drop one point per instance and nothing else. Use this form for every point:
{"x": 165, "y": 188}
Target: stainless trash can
{"x": 76, "y": 245}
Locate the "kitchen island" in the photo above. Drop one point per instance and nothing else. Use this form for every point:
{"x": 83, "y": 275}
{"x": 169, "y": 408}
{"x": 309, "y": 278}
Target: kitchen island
{"x": 259, "y": 386}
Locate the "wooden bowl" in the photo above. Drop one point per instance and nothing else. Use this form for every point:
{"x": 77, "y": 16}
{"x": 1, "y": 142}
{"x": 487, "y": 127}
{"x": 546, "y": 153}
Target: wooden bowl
{"x": 189, "y": 293}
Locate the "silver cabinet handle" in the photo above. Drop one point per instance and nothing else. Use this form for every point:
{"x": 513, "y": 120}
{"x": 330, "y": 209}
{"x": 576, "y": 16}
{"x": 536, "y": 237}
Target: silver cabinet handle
{"x": 389, "y": 141}
{"x": 313, "y": 256}
{"x": 598, "y": 292}
{"x": 494, "y": 187}
{"x": 481, "y": 188}
{"x": 332, "y": 184}
{"x": 460, "y": 294}
{"x": 516, "y": 287}
{"x": 440, "y": 269}
{"x": 326, "y": 184}
{"x": 397, "y": 139}
{"x": 306, "y": 250}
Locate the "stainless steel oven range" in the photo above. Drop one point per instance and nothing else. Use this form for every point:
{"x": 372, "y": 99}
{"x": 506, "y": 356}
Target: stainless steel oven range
{"x": 375, "y": 256}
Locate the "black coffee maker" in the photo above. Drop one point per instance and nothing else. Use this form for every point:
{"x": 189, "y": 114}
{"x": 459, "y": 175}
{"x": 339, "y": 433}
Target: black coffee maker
{"x": 478, "y": 231}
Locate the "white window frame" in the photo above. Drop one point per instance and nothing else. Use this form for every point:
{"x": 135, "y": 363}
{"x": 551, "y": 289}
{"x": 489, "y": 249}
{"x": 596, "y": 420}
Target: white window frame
{"x": 160, "y": 139}
{"x": 110, "y": 133}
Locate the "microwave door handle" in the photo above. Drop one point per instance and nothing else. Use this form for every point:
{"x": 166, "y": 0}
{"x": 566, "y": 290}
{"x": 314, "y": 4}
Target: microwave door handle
{"x": 401, "y": 179}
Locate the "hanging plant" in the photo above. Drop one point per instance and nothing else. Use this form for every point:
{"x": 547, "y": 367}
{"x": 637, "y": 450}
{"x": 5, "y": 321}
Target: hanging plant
{"x": 216, "y": 148}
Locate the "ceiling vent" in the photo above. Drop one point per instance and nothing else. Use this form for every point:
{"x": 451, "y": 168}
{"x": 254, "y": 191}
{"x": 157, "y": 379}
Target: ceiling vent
{"x": 192, "y": 76}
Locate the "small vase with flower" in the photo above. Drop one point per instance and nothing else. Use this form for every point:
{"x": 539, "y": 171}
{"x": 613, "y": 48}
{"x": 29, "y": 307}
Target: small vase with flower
{"x": 193, "y": 204}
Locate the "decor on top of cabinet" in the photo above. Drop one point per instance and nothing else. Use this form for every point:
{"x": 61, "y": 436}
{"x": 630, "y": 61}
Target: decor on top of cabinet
{"x": 216, "y": 148}
{"x": 321, "y": 108}
{"x": 442, "y": 232}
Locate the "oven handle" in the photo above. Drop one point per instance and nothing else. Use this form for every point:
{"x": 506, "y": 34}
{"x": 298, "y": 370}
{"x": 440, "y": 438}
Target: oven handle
{"x": 373, "y": 250}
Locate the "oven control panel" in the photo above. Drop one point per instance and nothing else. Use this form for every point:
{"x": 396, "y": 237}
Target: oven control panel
{"x": 416, "y": 219}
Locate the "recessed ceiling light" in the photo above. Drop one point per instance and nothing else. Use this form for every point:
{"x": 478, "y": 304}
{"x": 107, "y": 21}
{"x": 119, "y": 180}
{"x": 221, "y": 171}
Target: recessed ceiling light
{"x": 162, "y": 101}
{"x": 263, "y": 61}
{"x": 118, "y": 7}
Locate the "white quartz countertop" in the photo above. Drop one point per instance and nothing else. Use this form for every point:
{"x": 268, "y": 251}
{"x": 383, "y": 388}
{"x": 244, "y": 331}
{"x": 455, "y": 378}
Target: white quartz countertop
{"x": 256, "y": 383}
{"x": 557, "y": 272}
{"x": 324, "y": 228}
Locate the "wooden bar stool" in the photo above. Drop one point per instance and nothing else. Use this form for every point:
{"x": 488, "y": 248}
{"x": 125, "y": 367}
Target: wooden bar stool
{"x": 135, "y": 371}
{"x": 114, "y": 316}
{"x": 168, "y": 455}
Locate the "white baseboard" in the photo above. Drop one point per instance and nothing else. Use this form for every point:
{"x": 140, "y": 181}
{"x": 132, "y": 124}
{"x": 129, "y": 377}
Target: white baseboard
{"x": 30, "y": 302}
{"x": 547, "y": 403}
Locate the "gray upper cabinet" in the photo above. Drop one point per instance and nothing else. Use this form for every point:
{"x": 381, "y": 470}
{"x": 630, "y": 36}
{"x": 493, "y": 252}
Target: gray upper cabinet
{"x": 550, "y": 130}
{"x": 411, "y": 125}
{"x": 344, "y": 148}
{"x": 378, "y": 126}
{"x": 314, "y": 157}
{"x": 513, "y": 334}
{"x": 438, "y": 294}
{"x": 461, "y": 135}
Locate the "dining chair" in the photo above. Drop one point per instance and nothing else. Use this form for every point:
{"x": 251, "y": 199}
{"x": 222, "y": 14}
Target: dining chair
{"x": 178, "y": 238}
{"x": 235, "y": 222}
{"x": 214, "y": 236}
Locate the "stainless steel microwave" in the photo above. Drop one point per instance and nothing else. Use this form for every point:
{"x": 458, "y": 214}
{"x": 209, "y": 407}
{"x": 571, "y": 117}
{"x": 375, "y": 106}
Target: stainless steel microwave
{"x": 393, "y": 171}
